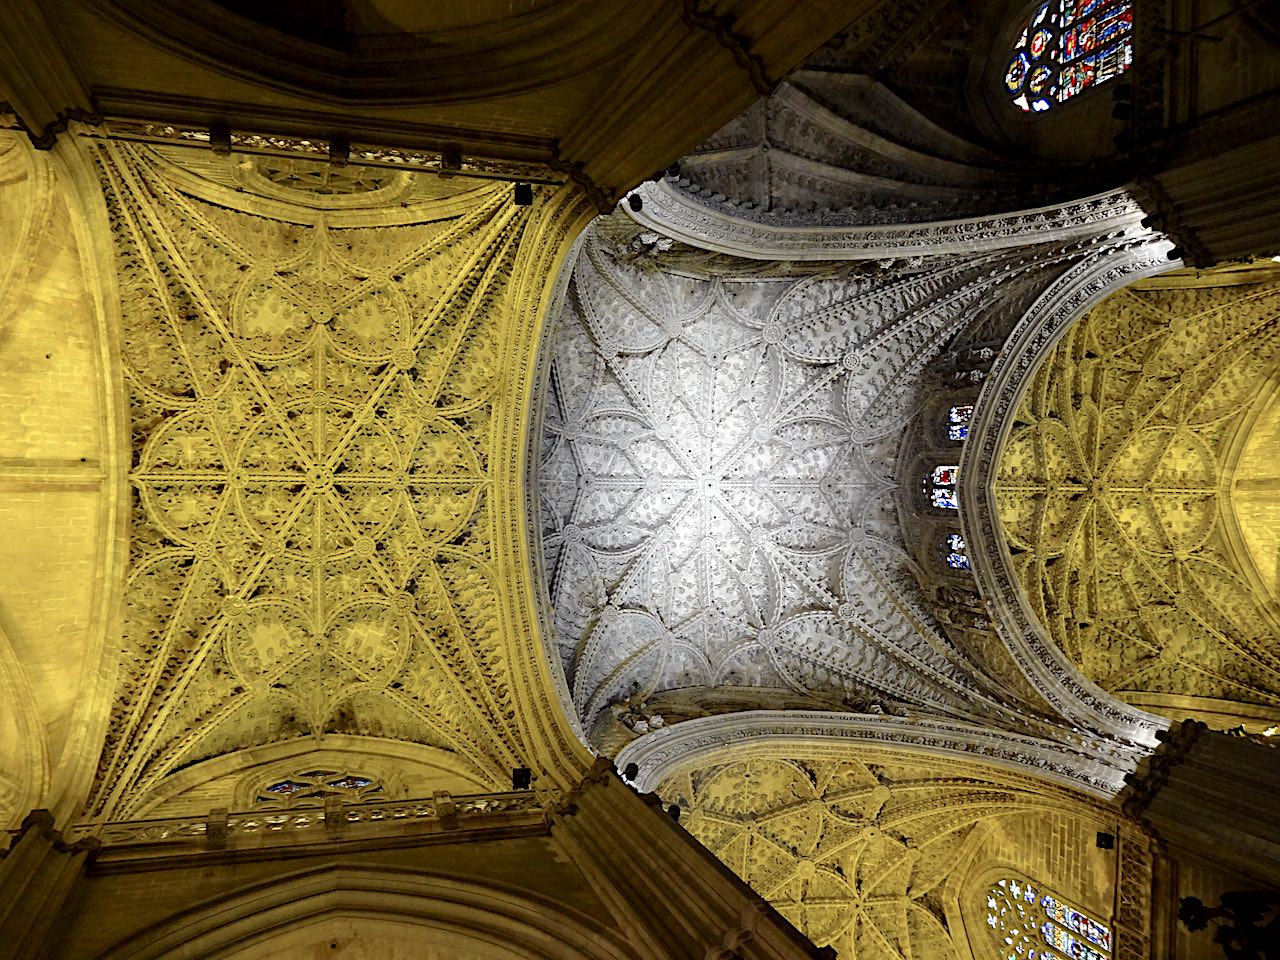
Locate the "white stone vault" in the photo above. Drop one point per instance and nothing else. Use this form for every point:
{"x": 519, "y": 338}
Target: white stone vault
{"x": 716, "y": 487}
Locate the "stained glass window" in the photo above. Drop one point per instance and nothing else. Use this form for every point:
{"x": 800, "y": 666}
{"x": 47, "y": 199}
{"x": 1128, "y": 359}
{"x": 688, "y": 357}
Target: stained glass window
{"x": 945, "y": 475}
{"x": 946, "y": 499}
{"x": 1068, "y": 47}
{"x": 1032, "y": 924}
{"x": 958, "y": 422}
{"x": 940, "y": 487}
{"x": 314, "y": 785}
{"x": 957, "y": 552}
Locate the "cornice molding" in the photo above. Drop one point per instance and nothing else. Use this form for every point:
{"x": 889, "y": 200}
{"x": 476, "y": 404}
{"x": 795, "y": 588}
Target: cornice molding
{"x": 707, "y": 739}
{"x": 672, "y": 212}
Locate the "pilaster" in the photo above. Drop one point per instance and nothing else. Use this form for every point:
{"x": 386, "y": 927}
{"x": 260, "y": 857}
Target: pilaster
{"x": 37, "y": 874}
{"x": 1211, "y": 797}
{"x": 675, "y": 898}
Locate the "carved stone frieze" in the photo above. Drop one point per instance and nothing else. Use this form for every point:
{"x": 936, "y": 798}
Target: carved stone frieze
{"x": 719, "y": 226}
{"x": 1083, "y": 763}
{"x": 1135, "y": 905}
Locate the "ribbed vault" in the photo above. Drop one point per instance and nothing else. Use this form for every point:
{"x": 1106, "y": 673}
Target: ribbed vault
{"x": 875, "y": 851}
{"x": 1135, "y": 501}
{"x": 319, "y": 386}
{"x": 725, "y": 520}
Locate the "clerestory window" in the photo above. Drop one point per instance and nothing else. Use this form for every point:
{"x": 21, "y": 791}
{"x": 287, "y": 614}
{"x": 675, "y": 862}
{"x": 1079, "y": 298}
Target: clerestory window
{"x": 1068, "y": 47}
{"x": 958, "y": 418}
{"x": 1029, "y": 923}
{"x": 956, "y": 552}
{"x": 940, "y": 487}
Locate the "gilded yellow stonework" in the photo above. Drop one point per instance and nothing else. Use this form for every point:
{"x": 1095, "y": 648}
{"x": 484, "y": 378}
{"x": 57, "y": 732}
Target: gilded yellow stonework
{"x": 1139, "y": 505}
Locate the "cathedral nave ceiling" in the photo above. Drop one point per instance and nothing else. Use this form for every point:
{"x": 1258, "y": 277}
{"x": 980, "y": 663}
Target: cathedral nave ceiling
{"x": 319, "y": 395}
{"x": 884, "y": 854}
{"x": 1139, "y": 503}
{"x": 329, "y": 367}
{"x": 721, "y": 489}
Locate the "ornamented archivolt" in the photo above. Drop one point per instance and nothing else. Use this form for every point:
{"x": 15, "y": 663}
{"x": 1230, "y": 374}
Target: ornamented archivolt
{"x": 1114, "y": 485}
{"x": 313, "y": 417}
{"x": 857, "y": 851}
{"x": 717, "y": 485}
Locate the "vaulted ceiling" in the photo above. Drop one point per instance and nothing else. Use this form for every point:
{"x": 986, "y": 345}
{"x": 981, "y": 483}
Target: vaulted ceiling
{"x": 1139, "y": 505}
{"x": 319, "y": 378}
{"x": 328, "y": 371}
{"x": 727, "y": 481}
{"x": 884, "y": 854}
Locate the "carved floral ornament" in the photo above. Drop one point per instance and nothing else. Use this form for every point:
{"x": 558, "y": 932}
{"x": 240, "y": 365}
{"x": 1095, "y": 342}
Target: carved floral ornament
{"x": 1058, "y": 305}
{"x": 315, "y": 411}
{"x": 718, "y": 225}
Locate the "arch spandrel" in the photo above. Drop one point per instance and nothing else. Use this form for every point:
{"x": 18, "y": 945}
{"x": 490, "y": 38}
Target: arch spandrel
{"x": 1121, "y": 490}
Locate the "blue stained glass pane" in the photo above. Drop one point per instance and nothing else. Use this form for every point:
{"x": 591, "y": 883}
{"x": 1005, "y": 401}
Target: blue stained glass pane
{"x": 944, "y": 498}
{"x": 956, "y": 544}
{"x": 1059, "y": 55}
{"x": 1078, "y": 922}
{"x": 1073, "y": 10}
{"x": 287, "y": 787}
{"x": 1016, "y": 73}
{"x": 957, "y": 431}
{"x": 958, "y": 561}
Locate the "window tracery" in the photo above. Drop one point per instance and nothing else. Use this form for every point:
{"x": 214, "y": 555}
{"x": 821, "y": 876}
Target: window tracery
{"x": 1067, "y": 47}
{"x": 1028, "y": 923}
{"x": 304, "y": 789}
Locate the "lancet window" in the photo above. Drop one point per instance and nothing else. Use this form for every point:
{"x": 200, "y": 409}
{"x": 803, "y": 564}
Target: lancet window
{"x": 941, "y": 487}
{"x": 1069, "y": 46}
{"x": 1028, "y": 923}
{"x": 958, "y": 418}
